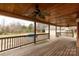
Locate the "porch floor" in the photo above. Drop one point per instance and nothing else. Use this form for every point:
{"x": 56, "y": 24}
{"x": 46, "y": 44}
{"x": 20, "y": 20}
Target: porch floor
{"x": 61, "y": 46}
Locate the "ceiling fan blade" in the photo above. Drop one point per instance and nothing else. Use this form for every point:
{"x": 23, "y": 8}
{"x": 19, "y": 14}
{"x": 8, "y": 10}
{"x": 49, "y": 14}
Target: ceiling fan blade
{"x": 41, "y": 16}
{"x": 45, "y": 13}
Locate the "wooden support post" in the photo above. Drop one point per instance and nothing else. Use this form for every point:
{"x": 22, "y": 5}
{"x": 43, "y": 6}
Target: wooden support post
{"x": 77, "y": 42}
{"x": 35, "y": 32}
{"x": 56, "y": 31}
{"x": 72, "y": 33}
{"x": 34, "y": 18}
{"x": 49, "y": 31}
{"x": 68, "y": 31}
{"x": 60, "y": 30}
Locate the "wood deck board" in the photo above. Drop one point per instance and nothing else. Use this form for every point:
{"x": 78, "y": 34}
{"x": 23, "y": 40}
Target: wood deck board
{"x": 51, "y": 50}
{"x": 59, "y": 48}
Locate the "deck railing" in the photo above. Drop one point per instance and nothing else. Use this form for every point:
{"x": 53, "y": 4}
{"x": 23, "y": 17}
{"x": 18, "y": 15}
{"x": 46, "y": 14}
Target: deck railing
{"x": 7, "y": 43}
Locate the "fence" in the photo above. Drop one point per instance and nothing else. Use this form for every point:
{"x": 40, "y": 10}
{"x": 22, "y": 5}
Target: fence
{"x": 7, "y": 43}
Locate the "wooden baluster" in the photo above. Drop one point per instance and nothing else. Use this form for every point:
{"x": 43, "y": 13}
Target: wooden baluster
{"x": 15, "y": 42}
{"x": 12, "y": 43}
{"x": 1, "y": 44}
{"x": 20, "y": 41}
{"x": 7, "y": 43}
{"x": 4, "y": 44}
{"x": 23, "y": 41}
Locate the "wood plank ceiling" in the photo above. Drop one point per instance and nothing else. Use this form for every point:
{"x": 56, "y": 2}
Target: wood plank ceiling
{"x": 60, "y": 14}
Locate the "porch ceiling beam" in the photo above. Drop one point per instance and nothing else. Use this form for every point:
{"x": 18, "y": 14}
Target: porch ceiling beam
{"x": 11, "y": 14}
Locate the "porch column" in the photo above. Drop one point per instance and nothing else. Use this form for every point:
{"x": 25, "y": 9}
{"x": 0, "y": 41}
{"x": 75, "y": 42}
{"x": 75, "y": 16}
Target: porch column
{"x": 35, "y": 32}
{"x": 60, "y": 30}
{"x": 56, "y": 31}
{"x": 72, "y": 33}
{"x": 77, "y": 42}
{"x": 49, "y": 31}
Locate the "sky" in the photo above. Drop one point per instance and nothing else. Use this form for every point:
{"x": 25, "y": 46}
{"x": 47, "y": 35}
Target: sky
{"x": 5, "y": 20}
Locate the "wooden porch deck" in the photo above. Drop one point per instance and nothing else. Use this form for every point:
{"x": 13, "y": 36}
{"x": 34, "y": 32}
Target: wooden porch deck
{"x": 62, "y": 46}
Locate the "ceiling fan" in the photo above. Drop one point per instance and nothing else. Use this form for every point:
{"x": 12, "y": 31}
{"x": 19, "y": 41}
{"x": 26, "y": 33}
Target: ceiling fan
{"x": 37, "y": 12}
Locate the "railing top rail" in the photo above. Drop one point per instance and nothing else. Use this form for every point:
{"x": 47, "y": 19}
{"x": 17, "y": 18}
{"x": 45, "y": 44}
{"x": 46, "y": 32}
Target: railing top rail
{"x": 25, "y": 35}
